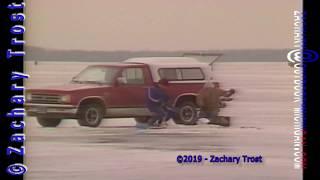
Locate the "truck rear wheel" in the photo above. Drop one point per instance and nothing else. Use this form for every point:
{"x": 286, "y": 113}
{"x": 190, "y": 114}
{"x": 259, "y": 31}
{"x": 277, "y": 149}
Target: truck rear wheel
{"x": 48, "y": 122}
{"x": 187, "y": 113}
{"x": 90, "y": 115}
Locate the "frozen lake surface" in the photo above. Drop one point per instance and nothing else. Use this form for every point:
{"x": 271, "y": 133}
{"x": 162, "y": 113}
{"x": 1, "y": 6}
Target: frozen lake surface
{"x": 262, "y": 124}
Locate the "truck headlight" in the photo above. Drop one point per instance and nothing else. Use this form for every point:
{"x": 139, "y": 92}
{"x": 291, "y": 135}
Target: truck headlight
{"x": 66, "y": 99}
{"x": 28, "y": 96}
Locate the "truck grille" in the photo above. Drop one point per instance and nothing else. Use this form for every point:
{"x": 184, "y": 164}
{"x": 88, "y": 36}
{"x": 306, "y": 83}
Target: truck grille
{"x": 46, "y": 99}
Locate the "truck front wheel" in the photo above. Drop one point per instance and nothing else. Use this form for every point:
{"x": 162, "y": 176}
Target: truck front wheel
{"x": 186, "y": 114}
{"x": 90, "y": 115}
{"x": 48, "y": 122}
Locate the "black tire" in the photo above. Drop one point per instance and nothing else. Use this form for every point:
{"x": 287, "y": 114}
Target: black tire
{"x": 187, "y": 113}
{"x": 90, "y": 115}
{"x": 48, "y": 122}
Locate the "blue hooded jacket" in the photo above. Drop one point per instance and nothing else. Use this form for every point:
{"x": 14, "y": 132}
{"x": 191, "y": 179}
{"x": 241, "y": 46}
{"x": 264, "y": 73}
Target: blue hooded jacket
{"x": 155, "y": 97}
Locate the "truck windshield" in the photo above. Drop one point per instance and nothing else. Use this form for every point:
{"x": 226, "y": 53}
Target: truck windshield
{"x": 96, "y": 75}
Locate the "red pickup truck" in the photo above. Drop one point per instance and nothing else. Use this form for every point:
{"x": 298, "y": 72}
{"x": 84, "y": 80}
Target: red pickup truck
{"x": 118, "y": 90}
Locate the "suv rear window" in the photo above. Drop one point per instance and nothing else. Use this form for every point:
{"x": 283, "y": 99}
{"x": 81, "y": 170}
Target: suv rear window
{"x": 181, "y": 74}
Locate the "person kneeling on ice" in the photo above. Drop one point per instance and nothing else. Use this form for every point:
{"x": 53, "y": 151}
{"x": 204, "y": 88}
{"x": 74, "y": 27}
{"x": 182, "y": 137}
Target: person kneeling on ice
{"x": 209, "y": 102}
{"x": 157, "y": 100}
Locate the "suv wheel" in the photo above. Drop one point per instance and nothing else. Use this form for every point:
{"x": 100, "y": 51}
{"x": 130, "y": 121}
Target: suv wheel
{"x": 90, "y": 115}
{"x": 187, "y": 113}
{"x": 48, "y": 122}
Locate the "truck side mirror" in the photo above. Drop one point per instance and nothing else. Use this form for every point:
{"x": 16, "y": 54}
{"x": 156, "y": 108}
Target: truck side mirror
{"x": 121, "y": 80}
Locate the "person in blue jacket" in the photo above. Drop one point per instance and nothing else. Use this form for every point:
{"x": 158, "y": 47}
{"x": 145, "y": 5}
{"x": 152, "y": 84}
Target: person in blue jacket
{"x": 157, "y": 100}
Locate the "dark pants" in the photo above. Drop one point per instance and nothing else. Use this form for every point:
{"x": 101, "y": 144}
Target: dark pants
{"x": 157, "y": 115}
{"x": 211, "y": 115}
{"x": 214, "y": 118}
{"x": 160, "y": 113}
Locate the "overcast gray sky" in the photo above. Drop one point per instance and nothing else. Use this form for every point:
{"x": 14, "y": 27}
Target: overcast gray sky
{"x": 160, "y": 24}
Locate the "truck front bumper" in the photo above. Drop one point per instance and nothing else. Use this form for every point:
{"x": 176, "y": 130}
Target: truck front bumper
{"x": 52, "y": 110}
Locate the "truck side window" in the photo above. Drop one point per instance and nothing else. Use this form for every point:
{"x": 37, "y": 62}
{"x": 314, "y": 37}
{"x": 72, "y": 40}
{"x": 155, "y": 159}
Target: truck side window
{"x": 181, "y": 74}
{"x": 133, "y": 75}
{"x": 192, "y": 74}
{"x": 170, "y": 74}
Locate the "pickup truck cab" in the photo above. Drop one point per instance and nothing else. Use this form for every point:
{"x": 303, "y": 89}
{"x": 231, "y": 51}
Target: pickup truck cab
{"x": 119, "y": 90}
